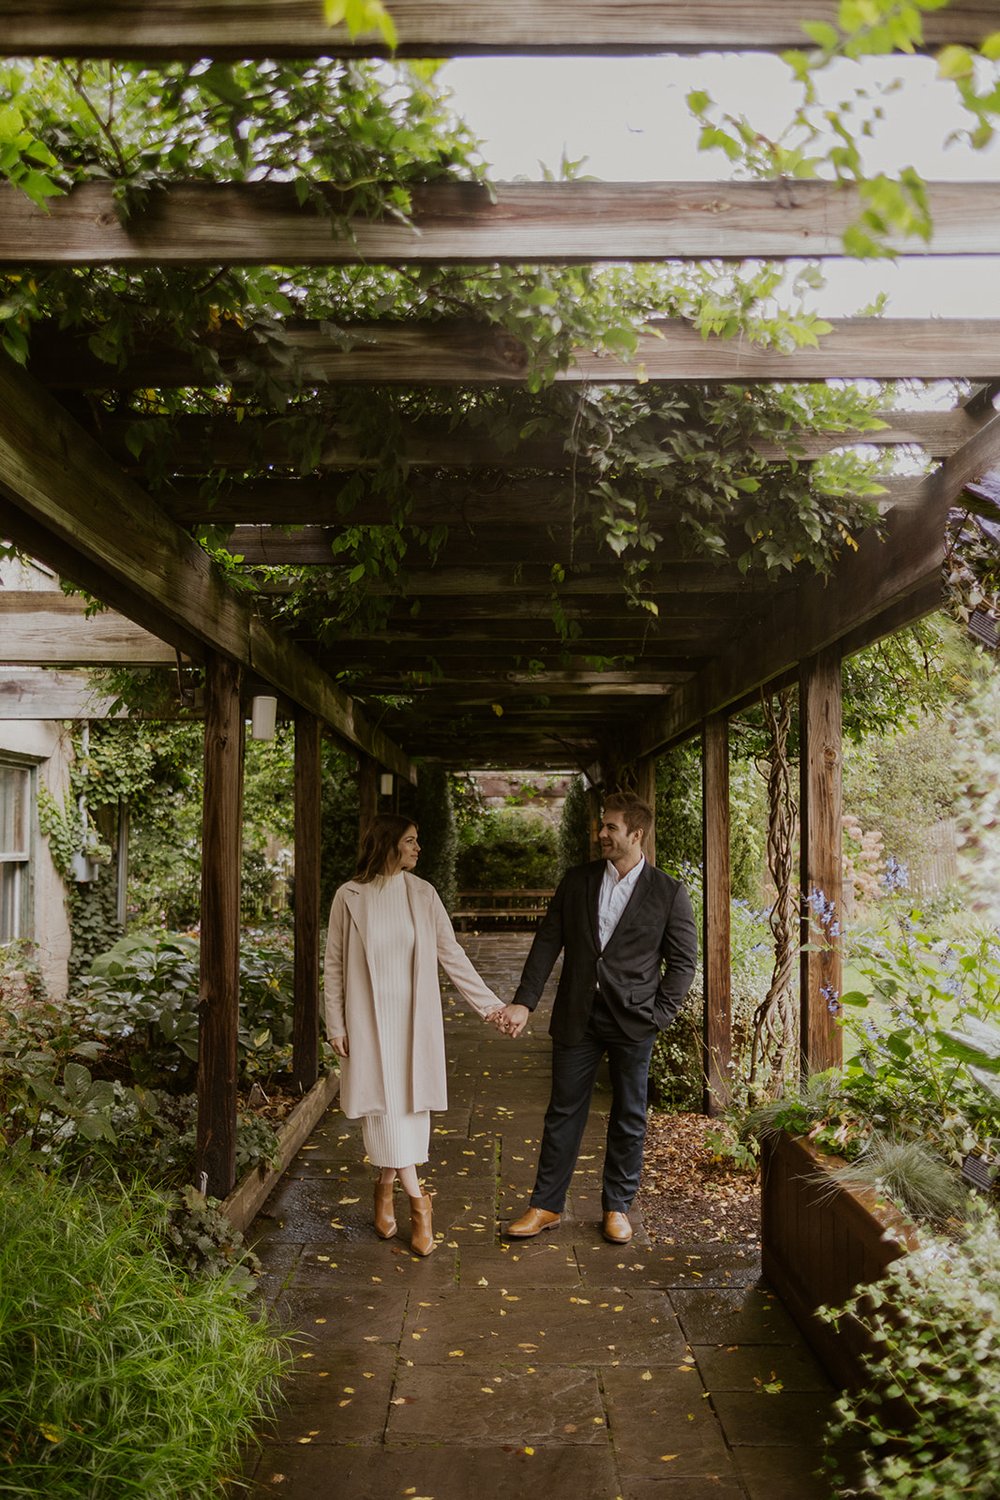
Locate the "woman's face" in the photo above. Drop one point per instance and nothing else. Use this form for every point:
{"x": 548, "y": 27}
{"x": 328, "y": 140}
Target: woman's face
{"x": 407, "y": 850}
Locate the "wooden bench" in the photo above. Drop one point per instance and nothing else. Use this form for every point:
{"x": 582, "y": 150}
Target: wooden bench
{"x": 486, "y": 910}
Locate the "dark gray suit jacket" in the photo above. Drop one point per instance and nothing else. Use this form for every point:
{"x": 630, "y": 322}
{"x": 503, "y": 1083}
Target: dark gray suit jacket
{"x": 644, "y": 972}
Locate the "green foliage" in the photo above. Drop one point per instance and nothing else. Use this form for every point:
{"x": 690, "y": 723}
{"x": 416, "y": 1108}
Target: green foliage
{"x": 141, "y": 999}
{"x": 916, "y": 993}
{"x": 824, "y": 138}
{"x": 574, "y": 827}
{"x": 119, "y": 1375}
{"x": 976, "y": 736}
{"x": 94, "y": 925}
{"x": 435, "y": 816}
{"x": 928, "y": 1407}
{"x": 676, "y": 1069}
{"x": 909, "y": 1173}
{"x": 638, "y": 455}
{"x": 508, "y": 850}
{"x": 339, "y": 819}
{"x": 679, "y": 814}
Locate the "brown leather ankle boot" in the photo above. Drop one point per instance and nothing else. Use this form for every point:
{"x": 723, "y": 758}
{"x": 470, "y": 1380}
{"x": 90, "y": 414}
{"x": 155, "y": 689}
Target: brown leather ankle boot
{"x": 422, "y": 1240}
{"x": 385, "y": 1218}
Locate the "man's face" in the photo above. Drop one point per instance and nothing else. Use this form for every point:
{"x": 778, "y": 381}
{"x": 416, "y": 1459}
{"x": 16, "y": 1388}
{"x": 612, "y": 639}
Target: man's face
{"x": 615, "y": 840}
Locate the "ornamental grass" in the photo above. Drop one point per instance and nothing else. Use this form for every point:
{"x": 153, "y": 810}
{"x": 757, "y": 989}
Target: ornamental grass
{"x": 119, "y": 1375}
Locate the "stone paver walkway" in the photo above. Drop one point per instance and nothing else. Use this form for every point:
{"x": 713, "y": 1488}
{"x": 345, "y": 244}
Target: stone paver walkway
{"x": 561, "y": 1366}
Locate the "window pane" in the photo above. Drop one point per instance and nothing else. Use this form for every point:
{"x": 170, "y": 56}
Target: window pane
{"x": 11, "y": 885}
{"x": 13, "y": 810}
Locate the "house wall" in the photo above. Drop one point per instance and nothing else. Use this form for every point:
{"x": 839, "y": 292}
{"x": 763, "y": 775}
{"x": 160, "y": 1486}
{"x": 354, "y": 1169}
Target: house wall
{"x": 48, "y": 745}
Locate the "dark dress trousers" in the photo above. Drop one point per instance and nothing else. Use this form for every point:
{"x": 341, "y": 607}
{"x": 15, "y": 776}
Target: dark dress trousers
{"x": 611, "y": 1001}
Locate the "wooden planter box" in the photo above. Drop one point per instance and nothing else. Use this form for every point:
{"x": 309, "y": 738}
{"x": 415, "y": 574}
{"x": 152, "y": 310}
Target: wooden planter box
{"x": 820, "y": 1242}
{"x": 248, "y": 1196}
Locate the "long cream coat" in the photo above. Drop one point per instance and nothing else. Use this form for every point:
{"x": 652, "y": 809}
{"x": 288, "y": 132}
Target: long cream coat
{"x": 350, "y": 1004}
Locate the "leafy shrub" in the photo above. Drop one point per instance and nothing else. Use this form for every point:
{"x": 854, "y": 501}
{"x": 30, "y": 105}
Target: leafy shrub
{"x": 507, "y": 850}
{"x": 61, "y": 1114}
{"x": 119, "y": 1376}
{"x": 929, "y": 1404}
{"x": 141, "y": 1000}
{"x": 922, "y": 1025}
{"x": 676, "y": 1066}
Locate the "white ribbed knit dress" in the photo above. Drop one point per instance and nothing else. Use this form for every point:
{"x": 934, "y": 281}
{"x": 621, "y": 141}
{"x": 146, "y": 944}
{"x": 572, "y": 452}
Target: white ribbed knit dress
{"x": 398, "y": 1138}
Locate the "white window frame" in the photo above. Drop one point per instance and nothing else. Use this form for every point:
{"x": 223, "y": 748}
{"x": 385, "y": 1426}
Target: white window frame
{"x": 21, "y": 860}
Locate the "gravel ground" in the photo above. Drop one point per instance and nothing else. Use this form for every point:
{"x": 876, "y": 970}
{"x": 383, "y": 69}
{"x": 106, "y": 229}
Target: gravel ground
{"x": 689, "y": 1195}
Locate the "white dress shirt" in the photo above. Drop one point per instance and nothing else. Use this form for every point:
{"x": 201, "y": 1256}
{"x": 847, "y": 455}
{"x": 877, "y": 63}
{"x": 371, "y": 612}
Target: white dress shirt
{"x": 615, "y": 892}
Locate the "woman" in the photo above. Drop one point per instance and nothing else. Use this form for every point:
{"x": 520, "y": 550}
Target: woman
{"x": 388, "y": 933}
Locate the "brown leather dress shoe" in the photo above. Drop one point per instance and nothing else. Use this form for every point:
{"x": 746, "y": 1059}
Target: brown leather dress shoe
{"x": 531, "y": 1223}
{"x": 616, "y": 1228}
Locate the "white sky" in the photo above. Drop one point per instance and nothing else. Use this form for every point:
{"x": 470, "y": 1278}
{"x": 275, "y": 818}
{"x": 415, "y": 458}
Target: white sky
{"x": 628, "y": 118}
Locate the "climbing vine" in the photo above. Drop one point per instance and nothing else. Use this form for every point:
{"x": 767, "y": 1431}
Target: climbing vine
{"x": 682, "y": 465}
{"x": 774, "y": 1036}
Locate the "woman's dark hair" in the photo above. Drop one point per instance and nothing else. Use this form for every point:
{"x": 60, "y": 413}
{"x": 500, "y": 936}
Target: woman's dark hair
{"x": 379, "y": 844}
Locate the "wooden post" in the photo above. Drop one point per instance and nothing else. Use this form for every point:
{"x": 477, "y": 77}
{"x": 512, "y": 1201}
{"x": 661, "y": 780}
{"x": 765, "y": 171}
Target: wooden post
{"x": 645, "y": 787}
{"x": 367, "y": 791}
{"x": 716, "y": 970}
{"x": 219, "y": 994}
{"x": 821, "y": 869}
{"x": 308, "y": 790}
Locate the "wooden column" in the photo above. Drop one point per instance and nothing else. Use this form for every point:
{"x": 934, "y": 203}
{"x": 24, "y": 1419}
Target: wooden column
{"x": 367, "y": 791}
{"x": 645, "y": 787}
{"x": 308, "y": 789}
{"x": 219, "y": 994}
{"x": 821, "y": 869}
{"x": 716, "y": 969}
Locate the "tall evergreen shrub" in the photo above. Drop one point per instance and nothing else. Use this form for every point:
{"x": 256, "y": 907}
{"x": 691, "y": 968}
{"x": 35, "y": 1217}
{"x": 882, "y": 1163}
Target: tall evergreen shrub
{"x": 435, "y": 815}
{"x": 574, "y": 827}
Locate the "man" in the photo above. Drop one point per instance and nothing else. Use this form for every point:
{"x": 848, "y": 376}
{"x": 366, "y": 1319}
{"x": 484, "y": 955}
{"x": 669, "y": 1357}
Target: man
{"x": 630, "y": 948}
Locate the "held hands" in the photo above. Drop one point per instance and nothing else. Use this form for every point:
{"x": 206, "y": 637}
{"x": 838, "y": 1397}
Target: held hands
{"x": 509, "y": 1020}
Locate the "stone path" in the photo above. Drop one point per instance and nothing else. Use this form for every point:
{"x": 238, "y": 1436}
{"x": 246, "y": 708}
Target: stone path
{"x": 561, "y": 1366}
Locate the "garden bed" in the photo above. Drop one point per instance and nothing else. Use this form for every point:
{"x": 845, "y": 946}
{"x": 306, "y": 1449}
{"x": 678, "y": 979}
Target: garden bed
{"x": 244, "y": 1201}
{"x": 820, "y": 1241}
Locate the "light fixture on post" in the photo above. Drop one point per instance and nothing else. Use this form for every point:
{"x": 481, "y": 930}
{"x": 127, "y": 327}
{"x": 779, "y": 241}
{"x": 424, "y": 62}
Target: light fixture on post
{"x": 385, "y": 784}
{"x": 263, "y": 712}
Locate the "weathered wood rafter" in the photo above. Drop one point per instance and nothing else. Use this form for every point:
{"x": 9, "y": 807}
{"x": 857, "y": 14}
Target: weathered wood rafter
{"x": 562, "y": 223}
{"x": 36, "y": 693}
{"x": 157, "y": 29}
{"x": 39, "y": 628}
{"x": 467, "y": 353}
{"x": 197, "y": 445}
{"x": 885, "y": 572}
{"x": 58, "y": 486}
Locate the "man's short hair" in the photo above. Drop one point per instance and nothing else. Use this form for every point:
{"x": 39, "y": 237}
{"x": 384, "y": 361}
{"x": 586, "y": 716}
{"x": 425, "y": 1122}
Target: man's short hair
{"x": 637, "y": 814}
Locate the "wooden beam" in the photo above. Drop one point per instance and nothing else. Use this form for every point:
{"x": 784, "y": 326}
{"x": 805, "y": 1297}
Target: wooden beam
{"x": 466, "y": 353}
{"x": 219, "y": 991}
{"x": 436, "y": 28}
{"x": 898, "y": 572}
{"x": 308, "y": 792}
{"x": 68, "y": 500}
{"x": 821, "y": 1040}
{"x": 48, "y": 628}
{"x": 198, "y": 445}
{"x": 716, "y": 957}
{"x": 565, "y": 223}
{"x": 34, "y": 693}
{"x": 494, "y": 537}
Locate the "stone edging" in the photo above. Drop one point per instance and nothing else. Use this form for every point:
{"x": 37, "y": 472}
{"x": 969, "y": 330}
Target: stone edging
{"x": 246, "y": 1199}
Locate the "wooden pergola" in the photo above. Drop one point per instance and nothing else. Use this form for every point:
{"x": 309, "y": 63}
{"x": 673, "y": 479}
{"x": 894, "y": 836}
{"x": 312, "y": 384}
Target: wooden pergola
{"x": 483, "y": 638}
